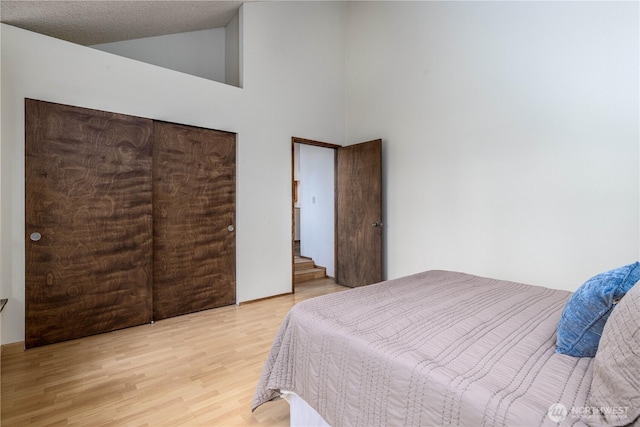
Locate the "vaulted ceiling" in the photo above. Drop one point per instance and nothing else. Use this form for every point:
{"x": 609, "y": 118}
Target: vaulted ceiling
{"x": 95, "y": 22}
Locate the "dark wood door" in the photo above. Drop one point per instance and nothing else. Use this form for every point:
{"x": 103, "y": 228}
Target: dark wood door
{"x": 194, "y": 219}
{"x": 359, "y": 214}
{"x": 88, "y": 220}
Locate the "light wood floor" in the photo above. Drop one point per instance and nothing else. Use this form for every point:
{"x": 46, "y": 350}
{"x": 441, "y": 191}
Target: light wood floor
{"x": 195, "y": 370}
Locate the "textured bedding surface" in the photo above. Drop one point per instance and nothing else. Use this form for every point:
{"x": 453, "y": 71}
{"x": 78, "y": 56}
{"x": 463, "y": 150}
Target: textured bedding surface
{"x": 435, "y": 348}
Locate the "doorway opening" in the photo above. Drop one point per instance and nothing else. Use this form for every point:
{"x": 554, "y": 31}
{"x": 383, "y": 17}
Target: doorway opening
{"x": 357, "y": 211}
{"x": 313, "y": 210}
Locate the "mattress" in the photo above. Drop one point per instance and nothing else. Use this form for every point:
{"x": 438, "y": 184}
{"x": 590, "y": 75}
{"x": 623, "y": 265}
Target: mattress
{"x": 434, "y": 348}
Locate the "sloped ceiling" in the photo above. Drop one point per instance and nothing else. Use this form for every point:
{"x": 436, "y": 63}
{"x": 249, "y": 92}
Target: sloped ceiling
{"x": 94, "y": 22}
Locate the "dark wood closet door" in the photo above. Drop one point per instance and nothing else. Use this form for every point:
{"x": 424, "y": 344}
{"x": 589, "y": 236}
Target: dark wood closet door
{"x": 194, "y": 219}
{"x": 88, "y": 217}
{"x": 359, "y": 214}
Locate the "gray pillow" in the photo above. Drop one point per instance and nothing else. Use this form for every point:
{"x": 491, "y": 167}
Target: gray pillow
{"x": 615, "y": 388}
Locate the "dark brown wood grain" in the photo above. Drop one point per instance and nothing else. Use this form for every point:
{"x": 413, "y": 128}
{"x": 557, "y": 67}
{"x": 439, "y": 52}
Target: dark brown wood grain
{"x": 298, "y": 140}
{"x": 194, "y": 204}
{"x": 358, "y": 207}
{"x": 88, "y": 189}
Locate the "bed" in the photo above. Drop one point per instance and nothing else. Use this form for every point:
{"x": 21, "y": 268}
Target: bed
{"x": 434, "y": 348}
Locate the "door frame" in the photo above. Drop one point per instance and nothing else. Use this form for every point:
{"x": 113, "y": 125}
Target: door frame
{"x": 304, "y": 141}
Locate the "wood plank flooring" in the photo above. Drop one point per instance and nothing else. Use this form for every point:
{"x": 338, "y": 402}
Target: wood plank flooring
{"x": 200, "y": 369}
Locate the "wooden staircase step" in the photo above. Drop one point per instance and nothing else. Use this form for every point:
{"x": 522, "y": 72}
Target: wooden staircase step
{"x": 309, "y": 274}
{"x": 301, "y": 263}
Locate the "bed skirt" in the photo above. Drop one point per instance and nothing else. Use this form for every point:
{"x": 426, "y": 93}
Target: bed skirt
{"x": 302, "y": 414}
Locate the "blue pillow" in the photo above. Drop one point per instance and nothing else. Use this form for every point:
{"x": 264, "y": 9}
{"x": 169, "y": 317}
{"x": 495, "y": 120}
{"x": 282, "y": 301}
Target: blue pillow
{"x": 588, "y": 309}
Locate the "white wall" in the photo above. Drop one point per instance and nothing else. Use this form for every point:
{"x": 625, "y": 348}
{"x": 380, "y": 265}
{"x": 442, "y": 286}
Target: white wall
{"x": 4, "y": 293}
{"x": 281, "y": 72}
{"x": 510, "y": 134}
{"x": 296, "y": 162}
{"x": 232, "y": 52}
{"x": 199, "y": 53}
{"x": 317, "y": 206}
{"x": 296, "y": 204}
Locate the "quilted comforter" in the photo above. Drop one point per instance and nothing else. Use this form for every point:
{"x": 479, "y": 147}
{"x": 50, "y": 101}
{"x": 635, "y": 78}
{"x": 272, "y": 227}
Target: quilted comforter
{"x": 434, "y": 348}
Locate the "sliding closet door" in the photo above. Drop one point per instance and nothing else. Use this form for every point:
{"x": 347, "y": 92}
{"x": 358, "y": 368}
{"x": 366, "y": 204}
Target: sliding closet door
{"x": 194, "y": 219}
{"x": 88, "y": 218}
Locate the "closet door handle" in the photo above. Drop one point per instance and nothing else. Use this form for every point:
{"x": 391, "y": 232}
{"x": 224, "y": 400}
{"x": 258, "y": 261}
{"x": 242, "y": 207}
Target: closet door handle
{"x": 35, "y": 236}
{"x": 231, "y": 228}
